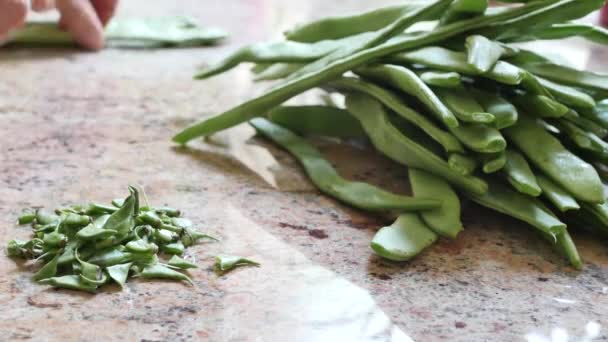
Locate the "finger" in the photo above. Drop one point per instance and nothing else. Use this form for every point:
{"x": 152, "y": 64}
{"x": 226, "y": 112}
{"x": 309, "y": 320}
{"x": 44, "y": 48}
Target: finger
{"x": 105, "y": 9}
{"x": 42, "y": 5}
{"x": 80, "y": 19}
{"x": 12, "y": 15}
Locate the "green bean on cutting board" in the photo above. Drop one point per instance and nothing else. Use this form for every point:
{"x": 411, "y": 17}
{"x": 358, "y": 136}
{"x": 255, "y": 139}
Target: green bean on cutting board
{"x": 85, "y": 252}
{"x": 453, "y": 100}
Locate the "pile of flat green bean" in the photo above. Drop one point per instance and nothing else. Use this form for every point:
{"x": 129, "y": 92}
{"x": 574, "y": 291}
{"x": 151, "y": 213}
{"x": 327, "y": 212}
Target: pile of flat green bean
{"x": 85, "y": 247}
{"x": 439, "y": 87}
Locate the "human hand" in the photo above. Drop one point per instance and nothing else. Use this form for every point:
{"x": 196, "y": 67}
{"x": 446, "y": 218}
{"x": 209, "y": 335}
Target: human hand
{"x": 84, "y": 19}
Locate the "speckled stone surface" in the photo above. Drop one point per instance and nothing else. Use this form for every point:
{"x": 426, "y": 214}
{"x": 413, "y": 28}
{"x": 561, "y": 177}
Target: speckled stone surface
{"x": 79, "y": 126}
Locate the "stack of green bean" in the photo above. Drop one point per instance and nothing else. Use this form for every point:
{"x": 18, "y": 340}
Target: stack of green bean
{"x": 85, "y": 247}
{"x": 439, "y": 87}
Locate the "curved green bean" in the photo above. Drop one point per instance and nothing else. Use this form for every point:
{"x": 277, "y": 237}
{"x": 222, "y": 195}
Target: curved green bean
{"x": 406, "y": 80}
{"x": 569, "y": 76}
{"x": 480, "y": 137}
{"x": 462, "y": 164}
{"x": 557, "y": 195}
{"x": 325, "y": 177}
{"x": 549, "y": 155}
{"x": 447, "y": 141}
{"x": 493, "y": 162}
{"x": 318, "y": 120}
{"x": 444, "y": 220}
{"x": 404, "y": 239}
{"x": 392, "y": 143}
{"x": 465, "y": 107}
{"x": 260, "y": 105}
{"x": 520, "y": 175}
{"x": 522, "y": 207}
{"x": 504, "y": 112}
{"x": 540, "y": 106}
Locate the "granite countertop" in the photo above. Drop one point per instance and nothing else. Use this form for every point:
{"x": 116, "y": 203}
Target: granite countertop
{"x": 76, "y": 126}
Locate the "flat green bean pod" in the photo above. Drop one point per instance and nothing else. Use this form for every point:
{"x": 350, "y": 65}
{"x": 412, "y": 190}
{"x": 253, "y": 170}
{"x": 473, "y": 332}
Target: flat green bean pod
{"x": 404, "y": 239}
{"x": 444, "y": 220}
{"x": 540, "y": 106}
{"x": 569, "y": 76}
{"x": 392, "y": 143}
{"x": 318, "y": 120}
{"x": 464, "y": 106}
{"x": 522, "y": 207}
{"x": 445, "y": 139}
{"x": 556, "y": 194}
{"x": 462, "y": 9}
{"x": 462, "y": 164}
{"x": 325, "y": 177}
{"x": 406, "y": 80}
{"x": 493, "y": 162}
{"x": 277, "y": 71}
{"x": 482, "y": 53}
{"x": 480, "y": 137}
{"x": 590, "y": 32}
{"x": 549, "y": 155}
{"x": 520, "y": 175}
{"x": 441, "y": 79}
{"x": 599, "y": 114}
{"x": 568, "y": 95}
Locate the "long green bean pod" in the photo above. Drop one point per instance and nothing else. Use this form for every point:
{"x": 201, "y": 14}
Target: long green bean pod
{"x": 444, "y": 220}
{"x": 462, "y": 164}
{"x": 520, "y": 175}
{"x": 462, "y": 9}
{"x": 568, "y": 95}
{"x": 445, "y": 139}
{"x": 480, "y": 137}
{"x": 569, "y": 76}
{"x": 599, "y": 113}
{"x": 555, "y": 194}
{"x": 590, "y": 32}
{"x": 318, "y": 120}
{"x": 277, "y": 71}
{"x": 540, "y": 106}
{"x": 465, "y": 107}
{"x": 406, "y": 80}
{"x": 392, "y": 143}
{"x": 441, "y": 79}
{"x": 324, "y": 176}
{"x": 482, "y": 53}
{"x": 549, "y": 155}
{"x": 493, "y": 162}
{"x": 404, "y": 239}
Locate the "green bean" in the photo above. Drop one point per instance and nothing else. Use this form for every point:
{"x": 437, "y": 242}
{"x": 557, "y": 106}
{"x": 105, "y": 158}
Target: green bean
{"x": 91, "y": 232}
{"x": 94, "y": 209}
{"x": 552, "y": 12}
{"x": 110, "y": 257}
{"x": 75, "y": 220}
{"x": 441, "y": 79}
{"x": 482, "y": 53}
{"x": 549, "y": 155}
{"x": 151, "y": 218}
{"x": 404, "y": 239}
{"x": 567, "y": 246}
{"x": 141, "y": 246}
{"x": 599, "y": 114}
{"x": 317, "y": 120}
{"x": 71, "y": 282}
{"x": 480, "y": 137}
{"x": 533, "y": 85}
{"x": 277, "y": 71}
{"x": 54, "y": 239}
{"x": 569, "y": 76}
{"x": 119, "y": 273}
{"x": 405, "y": 80}
{"x": 283, "y": 52}
{"x": 225, "y": 263}
{"x": 168, "y": 211}
{"x": 462, "y": 164}
{"x": 520, "y": 175}
{"x": 493, "y": 162}
{"x": 325, "y": 177}
{"x": 180, "y": 263}
{"x": 556, "y": 194}
{"x": 522, "y": 207}
{"x": 465, "y": 107}
{"x": 558, "y": 31}
{"x": 447, "y": 141}
{"x": 589, "y": 125}
{"x": 585, "y": 140}
{"x": 448, "y": 60}
{"x": 568, "y": 95}
{"x": 272, "y": 98}
{"x": 504, "y": 112}
{"x": 391, "y": 142}
{"x": 43, "y": 217}
{"x": 444, "y": 220}
{"x": 340, "y": 27}
{"x": 598, "y": 213}
{"x": 49, "y": 270}
{"x": 540, "y": 106}
{"x": 163, "y": 272}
